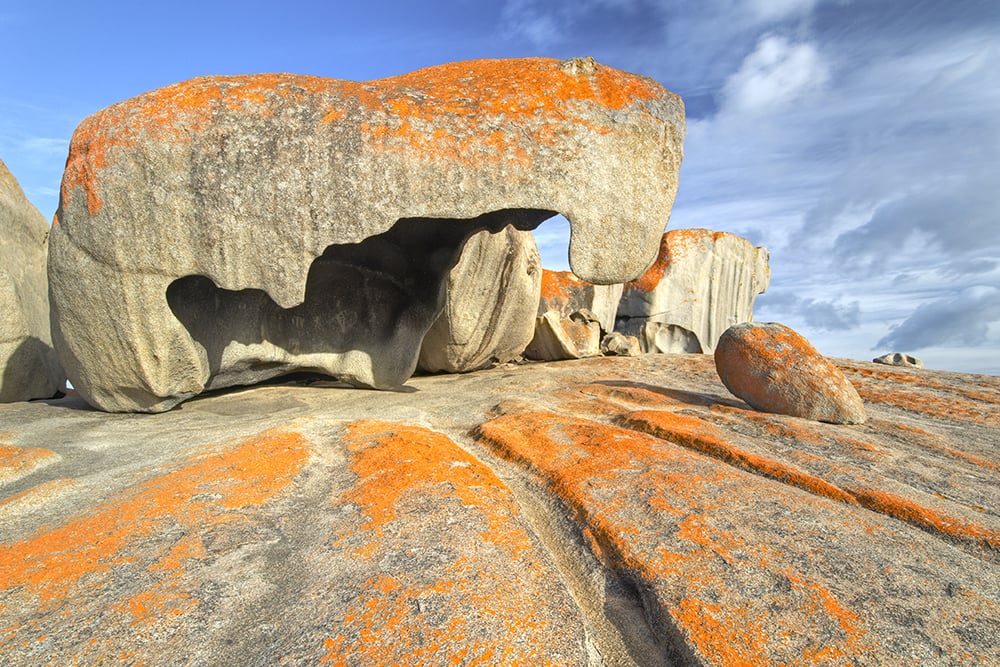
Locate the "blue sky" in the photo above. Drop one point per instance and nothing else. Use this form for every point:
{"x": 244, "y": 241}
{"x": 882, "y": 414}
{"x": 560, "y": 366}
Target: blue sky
{"x": 859, "y": 140}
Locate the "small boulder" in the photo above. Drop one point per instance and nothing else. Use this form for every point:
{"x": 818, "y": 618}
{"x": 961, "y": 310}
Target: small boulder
{"x": 899, "y": 359}
{"x": 489, "y": 312}
{"x": 29, "y": 367}
{"x": 619, "y": 345}
{"x": 702, "y": 283}
{"x": 774, "y": 369}
{"x": 556, "y": 339}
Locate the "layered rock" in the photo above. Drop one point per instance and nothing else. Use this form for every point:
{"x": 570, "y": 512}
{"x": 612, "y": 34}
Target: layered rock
{"x": 774, "y": 369}
{"x": 702, "y": 283}
{"x": 606, "y": 511}
{"x": 489, "y": 311}
{"x": 227, "y": 229}
{"x": 556, "y": 338}
{"x": 564, "y": 294}
{"x": 29, "y": 367}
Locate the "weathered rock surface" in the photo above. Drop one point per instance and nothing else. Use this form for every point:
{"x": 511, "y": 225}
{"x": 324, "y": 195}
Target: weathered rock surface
{"x": 228, "y": 229}
{"x": 556, "y": 338}
{"x": 618, "y": 344}
{"x": 489, "y": 311}
{"x": 899, "y": 359}
{"x": 564, "y": 293}
{"x": 774, "y": 369}
{"x": 29, "y": 367}
{"x": 602, "y": 511}
{"x": 702, "y": 283}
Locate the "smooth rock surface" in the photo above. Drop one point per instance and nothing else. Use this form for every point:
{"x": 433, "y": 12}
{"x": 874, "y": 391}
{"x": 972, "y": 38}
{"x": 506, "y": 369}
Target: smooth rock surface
{"x": 899, "y": 359}
{"x": 225, "y": 230}
{"x": 774, "y": 369}
{"x": 609, "y": 511}
{"x": 29, "y": 367}
{"x": 564, "y": 293}
{"x": 702, "y": 283}
{"x": 489, "y": 311}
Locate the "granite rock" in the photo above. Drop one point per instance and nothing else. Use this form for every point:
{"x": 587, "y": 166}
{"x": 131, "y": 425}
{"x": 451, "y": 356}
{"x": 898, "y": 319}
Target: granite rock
{"x": 489, "y": 311}
{"x": 774, "y": 369}
{"x": 558, "y": 338}
{"x": 564, "y": 293}
{"x": 29, "y": 367}
{"x": 899, "y": 359}
{"x": 605, "y": 511}
{"x": 225, "y": 230}
{"x": 701, "y": 283}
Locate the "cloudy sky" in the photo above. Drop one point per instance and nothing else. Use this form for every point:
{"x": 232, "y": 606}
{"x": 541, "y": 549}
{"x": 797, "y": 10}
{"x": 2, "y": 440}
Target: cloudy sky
{"x": 859, "y": 140}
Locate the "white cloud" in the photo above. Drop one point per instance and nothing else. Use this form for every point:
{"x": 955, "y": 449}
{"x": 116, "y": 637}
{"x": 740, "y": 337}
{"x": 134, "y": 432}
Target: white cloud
{"x": 773, "y": 10}
{"x": 963, "y": 319}
{"x": 776, "y": 74}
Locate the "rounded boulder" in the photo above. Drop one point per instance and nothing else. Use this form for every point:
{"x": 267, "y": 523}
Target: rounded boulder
{"x": 774, "y": 369}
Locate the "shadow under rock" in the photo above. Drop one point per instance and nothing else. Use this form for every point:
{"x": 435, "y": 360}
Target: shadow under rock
{"x": 688, "y": 397}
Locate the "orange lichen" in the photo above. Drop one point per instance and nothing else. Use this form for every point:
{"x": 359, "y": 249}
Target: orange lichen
{"x": 927, "y": 518}
{"x": 626, "y": 488}
{"x": 16, "y": 462}
{"x": 480, "y": 97}
{"x": 674, "y": 244}
{"x": 560, "y": 284}
{"x": 485, "y": 611}
{"x": 701, "y": 436}
{"x": 213, "y": 489}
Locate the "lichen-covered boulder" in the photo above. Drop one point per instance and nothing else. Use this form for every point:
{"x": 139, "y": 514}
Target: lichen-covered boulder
{"x": 565, "y": 293}
{"x": 702, "y": 283}
{"x": 228, "y": 229}
{"x": 29, "y": 367}
{"x": 899, "y": 359}
{"x": 489, "y": 311}
{"x": 774, "y": 369}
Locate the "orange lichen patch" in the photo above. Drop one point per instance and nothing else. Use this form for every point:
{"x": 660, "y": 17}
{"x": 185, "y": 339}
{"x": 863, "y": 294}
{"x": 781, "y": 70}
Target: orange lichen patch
{"x": 560, "y": 284}
{"x": 770, "y": 424}
{"x": 654, "y": 510}
{"x": 701, "y": 436}
{"x": 215, "y": 488}
{"x": 674, "y": 244}
{"x": 934, "y": 443}
{"x": 485, "y": 599}
{"x": 927, "y": 519}
{"x": 18, "y": 462}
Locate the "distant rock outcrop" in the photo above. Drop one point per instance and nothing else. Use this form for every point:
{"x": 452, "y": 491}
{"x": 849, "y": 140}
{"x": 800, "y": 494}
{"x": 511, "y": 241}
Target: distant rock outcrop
{"x": 899, "y": 359}
{"x": 774, "y": 369}
{"x": 225, "y": 230}
{"x": 489, "y": 311}
{"x": 702, "y": 283}
{"x": 29, "y": 367}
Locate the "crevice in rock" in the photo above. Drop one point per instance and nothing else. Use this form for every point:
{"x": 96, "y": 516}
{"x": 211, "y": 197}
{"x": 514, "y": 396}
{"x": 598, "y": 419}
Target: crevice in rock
{"x": 612, "y": 602}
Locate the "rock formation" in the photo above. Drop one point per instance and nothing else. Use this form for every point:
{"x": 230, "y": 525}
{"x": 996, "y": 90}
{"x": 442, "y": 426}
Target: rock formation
{"x": 618, "y": 344}
{"x": 606, "y": 511}
{"x": 557, "y": 338}
{"x": 774, "y": 369}
{"x": 702, "y": 283}
{"x": 29, "y": 367}
{"x": 228, "y": 229}
{"x": 899, "y": 359}
{"x": 489, "y": 311}
{"x": 564, "y": 293}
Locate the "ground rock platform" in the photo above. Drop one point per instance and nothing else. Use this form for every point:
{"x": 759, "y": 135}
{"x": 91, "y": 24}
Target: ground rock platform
{"x": 604, "y": 511}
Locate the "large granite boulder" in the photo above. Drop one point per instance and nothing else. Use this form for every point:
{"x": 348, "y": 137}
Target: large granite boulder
{"x": 489, "y": 311}
{"x": 29, "y": 367}
{"x": 774, "y": 369}
{"x": 565, "y": 293}
{"x": 228, "y": 229}
{"x": 607, "y": 511}
{"x": 702, "y": 283}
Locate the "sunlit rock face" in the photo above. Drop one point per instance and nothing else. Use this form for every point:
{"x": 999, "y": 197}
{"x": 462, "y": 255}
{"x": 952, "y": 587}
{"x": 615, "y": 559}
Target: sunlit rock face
{"x": 702, "y": 283}
{"x": 29, "y": 367}
{"x": 335, "y": 209}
